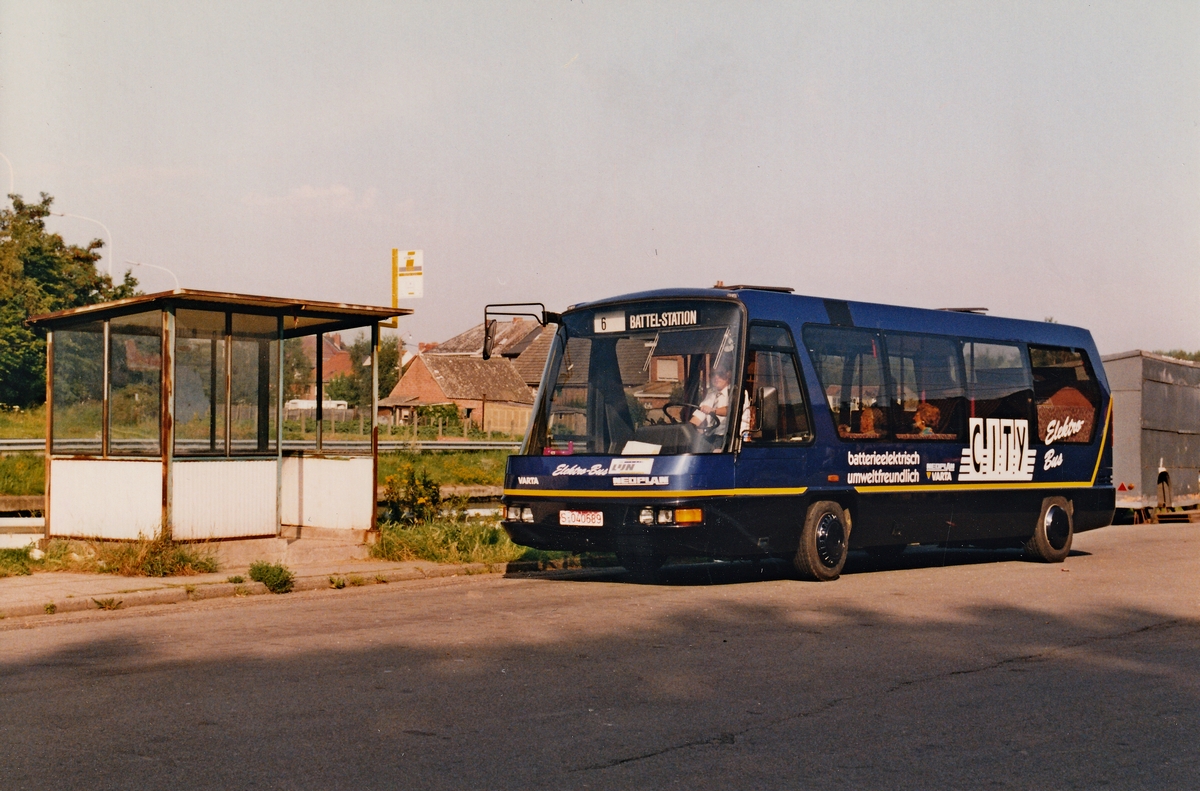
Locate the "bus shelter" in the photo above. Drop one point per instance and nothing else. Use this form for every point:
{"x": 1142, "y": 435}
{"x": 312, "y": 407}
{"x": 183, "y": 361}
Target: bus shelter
{"x": 165, "y": 418}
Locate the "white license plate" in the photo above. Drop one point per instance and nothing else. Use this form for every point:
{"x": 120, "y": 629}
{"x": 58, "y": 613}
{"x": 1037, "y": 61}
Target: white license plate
{"x": 581, "y": 518}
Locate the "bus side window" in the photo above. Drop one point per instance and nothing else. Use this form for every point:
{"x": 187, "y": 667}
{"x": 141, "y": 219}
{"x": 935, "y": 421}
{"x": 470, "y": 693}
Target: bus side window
{"x": 927, "y": 386}
{"x": 849, "y": 365}
{"x": 1066, "y": 394}
{"x": 999, "y": 384}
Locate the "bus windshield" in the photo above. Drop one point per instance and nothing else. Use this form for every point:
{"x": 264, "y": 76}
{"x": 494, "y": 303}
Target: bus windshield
{"x": 646, "y": 378}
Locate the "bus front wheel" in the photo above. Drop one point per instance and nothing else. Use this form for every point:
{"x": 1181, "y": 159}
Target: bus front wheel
{"x": 1051, "y": 539}
{"x": 823, "y": 542}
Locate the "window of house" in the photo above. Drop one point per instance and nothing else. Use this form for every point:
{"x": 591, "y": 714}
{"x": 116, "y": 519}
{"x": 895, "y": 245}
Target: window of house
{"x": 666, "y": 370}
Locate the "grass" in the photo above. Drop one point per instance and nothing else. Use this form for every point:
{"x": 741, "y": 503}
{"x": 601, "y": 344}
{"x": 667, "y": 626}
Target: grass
{"x": 145, "y": 558}
{"x": 25, "y": 473}
{"x": 449, "y": 468}
{"x": 472, "y": 541}
{"x": 23, "y": 423}
{"x": 22, "y": 473}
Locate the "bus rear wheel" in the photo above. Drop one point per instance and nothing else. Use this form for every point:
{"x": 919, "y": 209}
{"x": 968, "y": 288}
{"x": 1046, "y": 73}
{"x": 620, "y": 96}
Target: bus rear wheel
{"x": 1051, "y": 539}
{"x": 823, "y": 542}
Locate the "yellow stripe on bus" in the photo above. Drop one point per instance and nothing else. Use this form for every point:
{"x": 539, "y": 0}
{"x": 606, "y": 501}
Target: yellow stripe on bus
{"x": 1103, "y": 439}
{"x": 655, "y": 493}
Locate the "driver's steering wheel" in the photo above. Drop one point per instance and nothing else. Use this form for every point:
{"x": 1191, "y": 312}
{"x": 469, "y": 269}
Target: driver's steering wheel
{"x": 681, "y": 405}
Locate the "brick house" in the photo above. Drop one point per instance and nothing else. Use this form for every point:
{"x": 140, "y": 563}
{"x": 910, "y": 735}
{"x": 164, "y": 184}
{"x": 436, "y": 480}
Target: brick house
{"x": 489, "y": 393}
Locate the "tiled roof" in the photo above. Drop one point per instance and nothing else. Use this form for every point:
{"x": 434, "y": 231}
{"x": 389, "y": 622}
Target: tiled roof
{"x": 473, "y": 377}
{"x": 511, "y": 337}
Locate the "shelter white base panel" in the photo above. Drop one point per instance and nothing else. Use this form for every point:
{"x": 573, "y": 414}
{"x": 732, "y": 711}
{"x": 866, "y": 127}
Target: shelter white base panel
{"x": 328, "y": 492}
{"x": 94, "y": 498}
{"x": 223, "y": 498}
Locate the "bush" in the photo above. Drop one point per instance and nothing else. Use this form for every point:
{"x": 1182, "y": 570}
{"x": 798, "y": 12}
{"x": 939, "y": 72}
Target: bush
{"x": 276, "y": 576}
{"x": 412, "y": 498}
{"x": 446, "y": 542}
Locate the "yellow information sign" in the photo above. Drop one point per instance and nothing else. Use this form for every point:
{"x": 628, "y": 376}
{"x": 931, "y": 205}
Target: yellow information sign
{"x": 408, "y": 277}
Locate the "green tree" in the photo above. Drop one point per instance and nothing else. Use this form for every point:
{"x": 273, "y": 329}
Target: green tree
{"x": 356, "y": 387}
{"x": 297, "y": 370}
{"x": 40, "y": 273}
{"x": 1180, "y": 354}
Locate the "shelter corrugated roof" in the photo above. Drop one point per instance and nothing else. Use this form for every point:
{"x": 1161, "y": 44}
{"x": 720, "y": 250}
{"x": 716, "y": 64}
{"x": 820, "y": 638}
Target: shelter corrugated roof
{"x": 471, "y": 378}
{"x": 302, "y": 316}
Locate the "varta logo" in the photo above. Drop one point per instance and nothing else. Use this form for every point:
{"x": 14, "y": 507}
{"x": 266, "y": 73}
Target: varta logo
{"x": 527, "y": 480}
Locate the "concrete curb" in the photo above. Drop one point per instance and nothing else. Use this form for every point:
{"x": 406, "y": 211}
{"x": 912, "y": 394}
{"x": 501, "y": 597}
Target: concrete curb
{"x": 216, "y": 590}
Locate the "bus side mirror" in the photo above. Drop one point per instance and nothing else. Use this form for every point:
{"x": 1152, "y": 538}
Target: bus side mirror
{"x": 768, "y": 412}
{"x": 489, "y": 338}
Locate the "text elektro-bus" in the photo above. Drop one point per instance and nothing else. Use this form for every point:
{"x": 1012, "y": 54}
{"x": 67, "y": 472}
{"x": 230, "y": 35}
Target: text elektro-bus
{"x": 748, "y": 422}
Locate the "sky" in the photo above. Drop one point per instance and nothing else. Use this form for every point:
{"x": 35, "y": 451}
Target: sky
{"x": 1037, "y": 158}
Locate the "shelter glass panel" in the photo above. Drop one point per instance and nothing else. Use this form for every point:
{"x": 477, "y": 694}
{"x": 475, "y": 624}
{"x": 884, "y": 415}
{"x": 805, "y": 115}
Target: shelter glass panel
{"x": 253, "y": 388}
{"x": 199, "y": 382}
{"x": 998, "y": 380}
{"x": 300, "y": 393}
{"x": 78, "y": 384}
{"x": 135, "y": 385}
{"x": 849, "y": 365}
{"x": 1066, "y": 393}
{"x": 927, "y": 386}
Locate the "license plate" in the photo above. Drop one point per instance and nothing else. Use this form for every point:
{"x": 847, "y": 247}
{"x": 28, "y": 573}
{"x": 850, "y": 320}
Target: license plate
{"x": 581, "y": 518}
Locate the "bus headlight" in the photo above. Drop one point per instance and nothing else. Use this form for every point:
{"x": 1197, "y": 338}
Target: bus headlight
{"x": 646, "y": 517}
{"x": 666, "y": 516}
{"x": 527, "y": 514}
{"x": 514, "y": 513}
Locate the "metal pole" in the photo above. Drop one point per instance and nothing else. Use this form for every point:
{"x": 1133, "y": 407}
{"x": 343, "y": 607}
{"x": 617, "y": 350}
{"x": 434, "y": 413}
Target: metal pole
{"x": 320, "y": 387}
{"x": 105, "y": 374}
{"x": 49, "y": 429}
{"x": 228, "y": 384}
{"x": 279, "y": 437}
{"x": 374, "y": 424}
{"x": 167, "y": 424}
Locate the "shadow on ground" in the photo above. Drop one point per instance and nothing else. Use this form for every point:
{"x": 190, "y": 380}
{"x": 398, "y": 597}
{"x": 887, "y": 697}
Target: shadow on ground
{"x": 538, "y": 685}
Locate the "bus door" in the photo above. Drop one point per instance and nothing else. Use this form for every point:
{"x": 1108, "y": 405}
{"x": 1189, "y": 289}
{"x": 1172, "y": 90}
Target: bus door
{"x": 776, "y": 437}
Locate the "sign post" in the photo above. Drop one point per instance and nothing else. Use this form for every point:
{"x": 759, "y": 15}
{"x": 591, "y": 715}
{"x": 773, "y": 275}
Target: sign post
{"x": 408, "y": 280}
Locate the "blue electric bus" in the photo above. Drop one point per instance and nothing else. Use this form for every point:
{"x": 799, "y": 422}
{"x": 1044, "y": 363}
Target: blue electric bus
{"x": 749, "y": 422}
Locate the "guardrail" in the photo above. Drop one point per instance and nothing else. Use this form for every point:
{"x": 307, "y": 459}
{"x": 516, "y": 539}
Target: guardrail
{"x": 347, "y": 446}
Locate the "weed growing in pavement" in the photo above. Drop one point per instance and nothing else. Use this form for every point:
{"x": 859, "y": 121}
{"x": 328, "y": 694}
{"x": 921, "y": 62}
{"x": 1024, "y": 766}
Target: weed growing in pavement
{"x": 337, "y": 582}
{"x": 111, "y": 603}
{"x": 380, "y": 579}
{"x": 355, "y": 580}
{"x": 236, "y": 579}
{"x": 50, "y": 608}
{"x": 276, "y": 576}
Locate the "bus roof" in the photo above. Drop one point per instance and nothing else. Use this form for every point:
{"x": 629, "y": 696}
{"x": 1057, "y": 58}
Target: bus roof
{"x": 798, "y": 309}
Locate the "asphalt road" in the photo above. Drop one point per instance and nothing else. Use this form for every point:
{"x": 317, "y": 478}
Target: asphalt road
{"x": 940, "y": 670}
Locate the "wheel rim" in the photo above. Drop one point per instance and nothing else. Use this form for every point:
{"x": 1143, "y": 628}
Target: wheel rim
{"x": 1058, "y": 526}
{"x": 831, "y": 541}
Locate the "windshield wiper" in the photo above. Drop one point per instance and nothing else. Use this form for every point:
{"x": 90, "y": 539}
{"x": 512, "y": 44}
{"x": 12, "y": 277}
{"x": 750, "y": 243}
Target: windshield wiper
{"x": 653, "y": 346}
